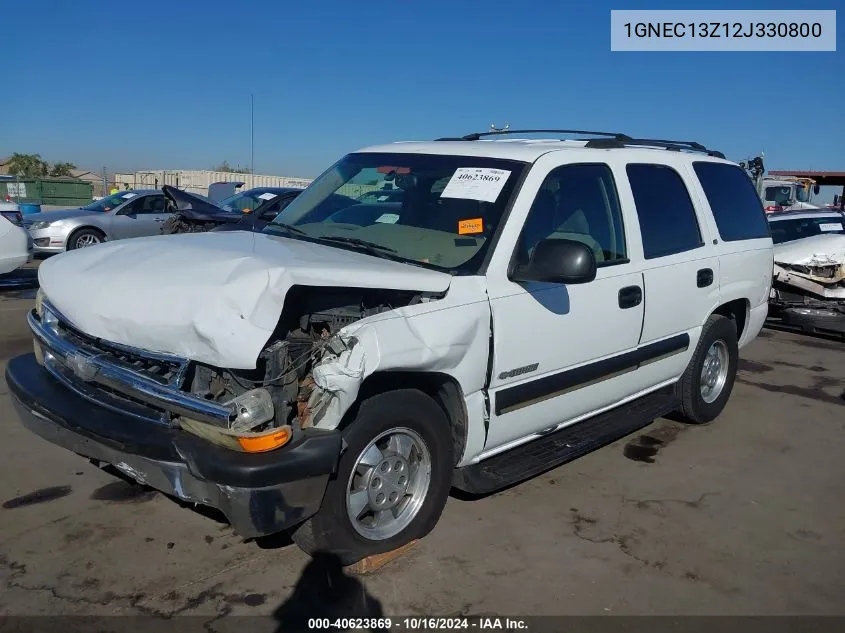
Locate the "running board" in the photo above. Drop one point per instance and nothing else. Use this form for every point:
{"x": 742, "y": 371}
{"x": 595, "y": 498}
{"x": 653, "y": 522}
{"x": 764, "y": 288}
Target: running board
{"x": 559, "y": 447}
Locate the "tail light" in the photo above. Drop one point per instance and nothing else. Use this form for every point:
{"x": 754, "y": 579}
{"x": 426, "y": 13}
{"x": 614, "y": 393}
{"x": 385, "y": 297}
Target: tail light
{"x": 774, "y": 208}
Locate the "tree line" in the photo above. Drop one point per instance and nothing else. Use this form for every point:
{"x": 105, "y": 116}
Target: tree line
{"x": 31, "y": 166}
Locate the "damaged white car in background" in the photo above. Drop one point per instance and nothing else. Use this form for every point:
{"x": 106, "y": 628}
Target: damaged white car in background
{"x": 808, "y": 283}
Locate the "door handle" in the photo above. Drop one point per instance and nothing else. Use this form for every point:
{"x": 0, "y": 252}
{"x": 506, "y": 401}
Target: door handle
{"x": 158, "y": 219}
{"x": 704, "y": 277}
{"x": 630, "y": 297}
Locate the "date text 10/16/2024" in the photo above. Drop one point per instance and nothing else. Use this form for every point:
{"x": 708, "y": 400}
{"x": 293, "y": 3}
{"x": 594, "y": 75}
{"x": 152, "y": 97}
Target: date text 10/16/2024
{"x": 418, "y": 624}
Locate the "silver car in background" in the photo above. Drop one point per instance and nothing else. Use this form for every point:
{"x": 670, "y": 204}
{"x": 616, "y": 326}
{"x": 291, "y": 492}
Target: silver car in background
{"x": 133, "y": 213}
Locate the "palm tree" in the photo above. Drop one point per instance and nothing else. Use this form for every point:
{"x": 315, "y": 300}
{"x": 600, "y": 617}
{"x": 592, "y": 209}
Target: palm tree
{"x": 27, "y": 165}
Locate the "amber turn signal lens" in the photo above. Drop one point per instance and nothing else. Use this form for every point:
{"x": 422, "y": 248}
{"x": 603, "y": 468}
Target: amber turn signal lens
{"x": 264, "y": 442}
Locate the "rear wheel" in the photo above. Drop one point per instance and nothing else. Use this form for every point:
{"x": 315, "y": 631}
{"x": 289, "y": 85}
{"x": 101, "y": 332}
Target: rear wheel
{"x": 85, "y": 238}
{"x": 392, "y": 481}
{"x": 707, "y": 383}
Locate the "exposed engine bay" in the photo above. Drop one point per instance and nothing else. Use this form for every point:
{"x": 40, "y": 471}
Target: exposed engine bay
{"x": 281, "y": 391}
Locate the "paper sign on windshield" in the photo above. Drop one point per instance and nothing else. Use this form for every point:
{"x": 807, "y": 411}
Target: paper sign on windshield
{"x": 476, "y": 183}
{"x": 267, "y": 196}
{"x": 129, "y": 195}
{"x": 830, "y": 226}
{"x": 470, "y": 226}
{"x": 388, "y": 218}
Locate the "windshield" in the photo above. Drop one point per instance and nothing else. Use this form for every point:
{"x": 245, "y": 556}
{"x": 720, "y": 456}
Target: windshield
{"x": 382, "y": 195}
{"x": 246, "y": 201}
{"x": 799, "y": 228}
{"x": 802, "y": 195}
{"x": 110, "y": 202}
{"x": 781, "y": 195}
{"x": 449, "y": 208}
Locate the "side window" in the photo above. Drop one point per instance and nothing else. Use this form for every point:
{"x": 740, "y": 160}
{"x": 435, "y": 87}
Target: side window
{"x": 577, "y": 202}
{"x": 733, "y": 200}
{"x": 664, "y": 208}
{"x": 149, "y": 204}
{"x": 275, "y": 208}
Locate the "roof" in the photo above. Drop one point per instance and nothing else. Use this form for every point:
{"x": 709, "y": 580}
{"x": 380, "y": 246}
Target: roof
{"x": 525, "y": 150}
{"x": 806, "y": 213}
{"x": 823, "y": 178}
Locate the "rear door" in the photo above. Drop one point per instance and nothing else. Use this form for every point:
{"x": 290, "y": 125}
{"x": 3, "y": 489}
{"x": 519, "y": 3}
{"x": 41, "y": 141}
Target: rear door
{"x": 680, "y": 266}
{"x": 741, "y": 236}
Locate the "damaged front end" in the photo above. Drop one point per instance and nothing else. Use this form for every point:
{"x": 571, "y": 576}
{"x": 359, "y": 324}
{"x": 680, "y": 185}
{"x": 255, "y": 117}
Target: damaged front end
{"x": 252, "y": 411}
{"x": 242, "y": 441}
{"x": 280, "y": 397}
{"x": 808, "y": 290}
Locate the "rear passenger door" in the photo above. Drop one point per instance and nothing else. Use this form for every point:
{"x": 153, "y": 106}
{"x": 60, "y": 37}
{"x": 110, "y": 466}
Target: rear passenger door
{"x": 742, "y": 238}
{"x": 680, "y": 266}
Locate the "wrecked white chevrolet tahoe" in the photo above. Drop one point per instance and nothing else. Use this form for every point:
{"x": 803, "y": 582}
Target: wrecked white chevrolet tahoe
{"x": 808, "y": 285}
{"x": 506, "y": 306}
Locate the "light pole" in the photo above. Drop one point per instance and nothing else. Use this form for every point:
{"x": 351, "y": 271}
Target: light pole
{"x": 251, "y": 134}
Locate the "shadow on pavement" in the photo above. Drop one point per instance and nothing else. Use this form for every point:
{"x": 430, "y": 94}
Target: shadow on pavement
{"x": 325, "y": 591}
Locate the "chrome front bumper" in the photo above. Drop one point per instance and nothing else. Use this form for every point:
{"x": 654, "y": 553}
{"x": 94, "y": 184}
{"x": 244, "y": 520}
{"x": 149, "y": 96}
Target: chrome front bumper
{"x": 251, "y": 511}
{"x": 87, "y": 372}
{"x": 259, "y": 493}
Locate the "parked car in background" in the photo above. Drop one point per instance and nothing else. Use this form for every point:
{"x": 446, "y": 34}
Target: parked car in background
{"x": 194, "y": 214}
{"x": 15, "y": 246}
{"x": 133, "y": 213}
{"x": 12, "y": 212}
{"x": 808, "y": 284}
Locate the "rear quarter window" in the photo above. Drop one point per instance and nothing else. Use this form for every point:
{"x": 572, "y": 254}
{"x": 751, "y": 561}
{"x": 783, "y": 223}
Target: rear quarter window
{"x": 735, "y": 204}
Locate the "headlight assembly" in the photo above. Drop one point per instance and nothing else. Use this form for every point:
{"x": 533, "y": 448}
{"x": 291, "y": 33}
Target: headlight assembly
{"x": 39, "y": 225}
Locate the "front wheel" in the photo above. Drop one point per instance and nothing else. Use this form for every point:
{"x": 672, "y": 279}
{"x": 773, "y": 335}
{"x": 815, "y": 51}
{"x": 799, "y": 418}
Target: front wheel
{"x": 392, "y": 481}
{"x": 707, "y": 383}
{"x": 85, "y": 238}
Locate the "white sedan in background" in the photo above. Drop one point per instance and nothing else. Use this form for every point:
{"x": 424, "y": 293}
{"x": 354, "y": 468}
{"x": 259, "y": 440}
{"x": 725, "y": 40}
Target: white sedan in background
{"x": 15, "y": 242}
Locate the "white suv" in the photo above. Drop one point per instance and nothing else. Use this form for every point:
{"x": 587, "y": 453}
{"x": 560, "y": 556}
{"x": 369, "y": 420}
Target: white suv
{"x": 521, "y": 303}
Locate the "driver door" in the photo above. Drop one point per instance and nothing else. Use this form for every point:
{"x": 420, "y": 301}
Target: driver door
{"x": 140, "y": 217}
{"x": 561, "y": 351}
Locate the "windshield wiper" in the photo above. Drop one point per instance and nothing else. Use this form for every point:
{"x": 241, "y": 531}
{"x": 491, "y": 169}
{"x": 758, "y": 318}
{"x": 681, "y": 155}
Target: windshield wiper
{"x": 370, "y": 247}
{"x": 290, "y": 228}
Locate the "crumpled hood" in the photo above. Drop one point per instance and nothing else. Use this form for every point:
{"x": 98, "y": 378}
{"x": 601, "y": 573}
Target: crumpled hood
{"x": 816, "y": 250}
{"x": 211, "y": 297}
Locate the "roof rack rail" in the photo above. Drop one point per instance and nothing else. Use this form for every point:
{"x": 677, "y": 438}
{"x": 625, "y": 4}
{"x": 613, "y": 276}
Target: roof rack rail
{"x": 475, "y": 136}
{"x": 606, "y": 143}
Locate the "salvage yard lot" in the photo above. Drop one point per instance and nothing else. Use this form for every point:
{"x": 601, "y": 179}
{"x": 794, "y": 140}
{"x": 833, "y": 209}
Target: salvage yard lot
{"x": 743, "y": 516}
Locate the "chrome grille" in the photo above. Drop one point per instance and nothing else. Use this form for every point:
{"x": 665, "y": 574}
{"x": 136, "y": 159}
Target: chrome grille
{"x": 164, "y": 370}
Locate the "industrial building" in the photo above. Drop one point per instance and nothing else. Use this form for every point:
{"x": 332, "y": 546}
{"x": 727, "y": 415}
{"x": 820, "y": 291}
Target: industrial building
{"x": 197, "y": 181}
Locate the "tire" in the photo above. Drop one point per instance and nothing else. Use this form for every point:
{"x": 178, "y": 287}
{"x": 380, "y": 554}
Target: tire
{"x": 84, "y": 238}
{"x": 719, "y": 333}
{"x": 331, "y": 530}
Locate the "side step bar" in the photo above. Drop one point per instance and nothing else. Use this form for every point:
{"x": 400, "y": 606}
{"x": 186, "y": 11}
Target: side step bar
{"x": 552, "y": 450}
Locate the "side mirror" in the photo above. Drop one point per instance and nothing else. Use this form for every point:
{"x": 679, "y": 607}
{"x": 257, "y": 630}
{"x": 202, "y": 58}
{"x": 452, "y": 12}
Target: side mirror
{"x": 558, "y": 261}
{"x": 817, "y": 189}
{"x": 836, "y": 200}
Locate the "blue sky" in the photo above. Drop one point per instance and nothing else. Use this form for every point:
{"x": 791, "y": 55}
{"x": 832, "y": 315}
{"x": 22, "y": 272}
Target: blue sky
{"x": 167, "y": 84}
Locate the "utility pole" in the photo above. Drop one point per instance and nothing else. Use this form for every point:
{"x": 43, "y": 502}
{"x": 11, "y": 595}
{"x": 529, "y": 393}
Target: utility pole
{"x": 252, "y": 133}
{"x": 105, "y": 184}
